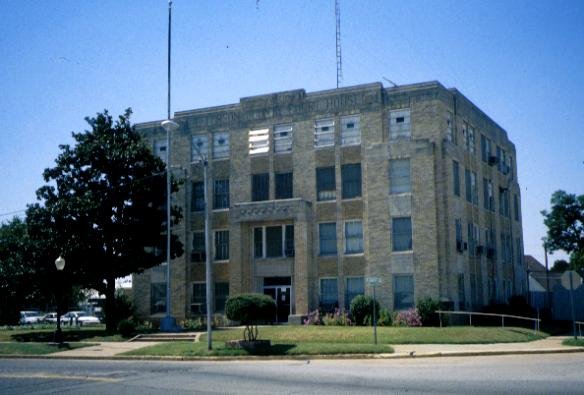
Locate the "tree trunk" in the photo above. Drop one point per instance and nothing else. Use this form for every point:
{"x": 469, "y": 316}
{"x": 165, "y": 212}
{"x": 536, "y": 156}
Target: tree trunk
{"x": 110, "y": 304}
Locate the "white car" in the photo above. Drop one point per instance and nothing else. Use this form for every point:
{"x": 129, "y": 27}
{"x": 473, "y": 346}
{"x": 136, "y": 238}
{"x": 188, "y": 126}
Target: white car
{"x": 50, "y": 318}
{"x": 29, "y": 317}
{"x": 79, "y": 318}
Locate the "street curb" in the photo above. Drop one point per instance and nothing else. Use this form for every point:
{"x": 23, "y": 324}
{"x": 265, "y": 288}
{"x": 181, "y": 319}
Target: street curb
{"x": 305, "y": 357}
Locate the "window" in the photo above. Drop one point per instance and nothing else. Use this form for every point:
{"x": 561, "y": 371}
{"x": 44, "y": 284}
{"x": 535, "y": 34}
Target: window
{"x": 284, "y": 185}
{"x": 329, "y": 294}
{"x": 258, "y": 242}
{"x": 260, "y": 187}
{"x": 259, "y": 141}
{"x": 355, "y": 286}
{"x": 273, "y": 241}
{"x": 449, "y": 129}
{"x": 504, "y": 201}
{"x": 402, "y": 233}
{"x": 485, "y": 148}
{"x": 350, "y": 130}
{"x": 489, "y": 199}
{"x": 327, "y": 233}
{"x": 472, "y": 192}
{"x": 475, "y": 187}
{"x": 471, "y": 140}
{"x": 324, "y": 133}
{"x": 403, "y": 291}
{"x": 461, "y": 292}
{"x": 399, "y": 176}
{"x": 283, "y": 136}
{"x": 160, "y": 149}
{"x": 289, "y": 240}
{"x": 221, "y": 145}
{"x": 458, "y": 231}
{"x": 399, "y": 124}
{"x": 353, "y": 237}
{"x": 499, "y": 157}
{"x": 157, "y": 298}
{"x": 198, "y": 251}
{"x": 221, "y": 294}
{"x": 465, "y": 136}
{"x": 198, "y": 197}
{"x": 199, "y": 299}
{"x": 516, "y": 207}
{"x": 221, "y": 196}
{"x": 456, "y": 177}
{"x": 199, "y": 147}
{"x": 351, "y": 180}
{"x": 325, "y": 183}
{"x": 473, "y": 238}
{"x": 221, "y": 245}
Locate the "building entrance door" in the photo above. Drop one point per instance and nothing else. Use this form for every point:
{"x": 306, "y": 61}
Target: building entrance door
{"x": 280, "y": 289}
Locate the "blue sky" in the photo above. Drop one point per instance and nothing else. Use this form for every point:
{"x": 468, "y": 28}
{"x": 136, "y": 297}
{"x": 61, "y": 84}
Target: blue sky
{"x": 519, "y": 61}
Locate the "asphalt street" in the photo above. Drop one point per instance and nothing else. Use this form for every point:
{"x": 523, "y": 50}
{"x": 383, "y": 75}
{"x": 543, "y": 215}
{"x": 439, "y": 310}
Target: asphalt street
{"x": 517, "y": 374}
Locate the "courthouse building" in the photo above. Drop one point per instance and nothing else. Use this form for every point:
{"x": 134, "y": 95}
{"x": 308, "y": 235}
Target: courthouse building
{"x": 313, "y": 193}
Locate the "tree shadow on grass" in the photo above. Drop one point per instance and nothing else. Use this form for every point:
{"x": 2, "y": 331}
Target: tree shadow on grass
{"x": 274, "y": 349}
{"x": 69, "y": 335}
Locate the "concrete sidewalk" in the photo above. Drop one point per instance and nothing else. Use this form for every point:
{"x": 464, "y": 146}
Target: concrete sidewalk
{"x": 552, "y": 344}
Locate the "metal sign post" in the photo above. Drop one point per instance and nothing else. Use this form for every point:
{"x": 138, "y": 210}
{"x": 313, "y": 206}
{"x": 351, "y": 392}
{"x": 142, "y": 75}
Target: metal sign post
{"x": 373, "y": 281}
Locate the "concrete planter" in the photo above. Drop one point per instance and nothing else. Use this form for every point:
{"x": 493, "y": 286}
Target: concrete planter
{"x": 251, "y": 346}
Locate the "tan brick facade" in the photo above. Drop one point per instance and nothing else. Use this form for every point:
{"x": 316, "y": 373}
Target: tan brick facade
{"x": 427, "y": 261}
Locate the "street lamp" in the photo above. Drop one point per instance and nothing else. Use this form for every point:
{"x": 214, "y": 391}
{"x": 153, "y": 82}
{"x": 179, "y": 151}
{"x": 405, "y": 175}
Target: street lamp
{"x": 60, "y": 265}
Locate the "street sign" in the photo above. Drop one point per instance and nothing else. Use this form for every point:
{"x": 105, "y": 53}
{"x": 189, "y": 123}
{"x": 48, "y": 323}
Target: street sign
{"x": 372, "y": 280}
{"x": 571, "y": 279}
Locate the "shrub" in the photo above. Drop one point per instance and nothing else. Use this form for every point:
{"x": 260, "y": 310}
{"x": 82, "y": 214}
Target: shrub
{"x": 123, "y": 307}
{"x": 339, "y": 317}
{"x": 362, "y": 308}
{"x": 408, "y": 318}
{"x": 126, "y": 328}
{"x": 193, "y": 324}
{"x": 384, "y": 318}
{"x": 250, "y": 310}
{"x": 313, "y": 318}
{"x": 427, "y": 310}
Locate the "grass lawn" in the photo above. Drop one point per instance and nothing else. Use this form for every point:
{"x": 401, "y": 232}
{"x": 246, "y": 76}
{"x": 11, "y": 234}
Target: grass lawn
{"x": 44, "y": 334}
{"x": 191, "y": 349}
{"x": 36, "y": 348}
{"x": 311, "y": 340}
{"x": 574, "y": 342}
{"x": 385, "y": 335}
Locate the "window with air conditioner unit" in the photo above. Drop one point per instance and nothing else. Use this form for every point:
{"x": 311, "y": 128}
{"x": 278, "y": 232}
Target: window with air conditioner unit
{"x": 283, "y": 138}
{"x": 350, "y": 130}
{"x": 324, "y": 133}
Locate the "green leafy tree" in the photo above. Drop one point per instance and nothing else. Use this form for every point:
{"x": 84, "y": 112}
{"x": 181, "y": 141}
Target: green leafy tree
{"x": 565, "y": 223}
{"x": 28, "y": 276}
{"x": 250, "y": 310}
{"x": 560, "y": 266}
{"x": 14, "y": 272}
{"x": 104, "y": 206}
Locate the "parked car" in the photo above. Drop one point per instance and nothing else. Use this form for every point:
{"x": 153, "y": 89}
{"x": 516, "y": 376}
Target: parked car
{"x": 29, "y": 317}
{"x": 51, "y": 318}
{"x": 79, "y": 318}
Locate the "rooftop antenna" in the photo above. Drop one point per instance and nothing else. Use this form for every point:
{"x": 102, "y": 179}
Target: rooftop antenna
{"x": 339, "y": 59}
{"x": 390, "y": 81}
